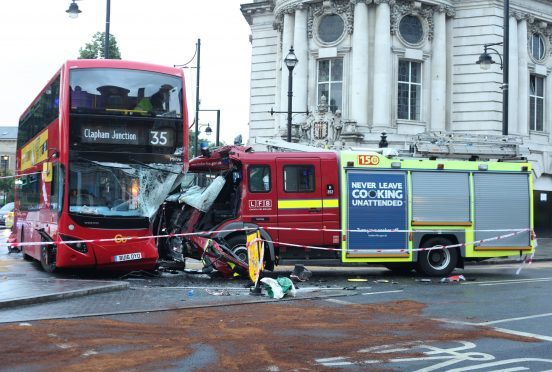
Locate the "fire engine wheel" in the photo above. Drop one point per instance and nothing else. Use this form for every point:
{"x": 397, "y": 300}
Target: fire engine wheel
{"x": 238, "y": 245}
{"x": 47, "y": 258}
{"x": 437, "y": 262}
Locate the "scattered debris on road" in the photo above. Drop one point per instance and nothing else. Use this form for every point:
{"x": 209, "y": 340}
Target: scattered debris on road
{"x": 278, "y": 288}
{"x": 222, "y": 292}
{"x": 300, "y": 273}
{"x": 453, "y": 279}
{"x": 424, "y": 280}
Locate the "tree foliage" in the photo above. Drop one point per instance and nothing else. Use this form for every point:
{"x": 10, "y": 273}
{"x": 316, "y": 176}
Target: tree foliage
{"x": 95, "y": 48}
{"x": 202, "y": 138}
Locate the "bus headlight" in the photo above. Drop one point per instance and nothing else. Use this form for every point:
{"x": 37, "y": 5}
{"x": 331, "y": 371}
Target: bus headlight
{"x": 78, "y": 246}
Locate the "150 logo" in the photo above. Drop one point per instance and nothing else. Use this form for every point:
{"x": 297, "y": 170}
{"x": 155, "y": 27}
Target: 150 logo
{"x": 368, "y": 160}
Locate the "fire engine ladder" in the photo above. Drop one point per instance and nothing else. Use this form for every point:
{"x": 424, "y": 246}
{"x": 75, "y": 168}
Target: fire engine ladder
{"x": 467, "y": 146}
{"x": 273, "y": 144}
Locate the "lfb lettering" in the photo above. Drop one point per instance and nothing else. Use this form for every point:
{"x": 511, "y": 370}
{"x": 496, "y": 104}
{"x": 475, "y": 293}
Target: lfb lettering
{"x": 260, "y": 203}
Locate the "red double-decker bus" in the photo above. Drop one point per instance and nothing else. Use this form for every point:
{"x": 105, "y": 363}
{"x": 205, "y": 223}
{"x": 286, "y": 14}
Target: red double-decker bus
{"x": 98, "y": 150}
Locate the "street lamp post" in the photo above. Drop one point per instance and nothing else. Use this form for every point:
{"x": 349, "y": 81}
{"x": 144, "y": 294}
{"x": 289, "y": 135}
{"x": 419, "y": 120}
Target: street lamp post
{"x": 198, "y": 101}
{"x": 5, "y": 160}
{"x": 485, "y": 61}
{"x": 290, "y": 61}
{"x": 217, "y": 138}
{"x": 74, "y": 11}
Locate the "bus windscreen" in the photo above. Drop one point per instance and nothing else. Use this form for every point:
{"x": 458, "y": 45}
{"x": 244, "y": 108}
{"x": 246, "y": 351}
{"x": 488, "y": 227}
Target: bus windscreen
{"x": 125, "y": 92}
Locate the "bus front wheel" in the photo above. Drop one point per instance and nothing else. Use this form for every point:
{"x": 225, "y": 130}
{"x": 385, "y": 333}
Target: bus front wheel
{"x": 48, "y": 258}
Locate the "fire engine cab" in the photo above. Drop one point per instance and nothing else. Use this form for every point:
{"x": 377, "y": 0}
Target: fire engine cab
{"x": 360, "y": 207}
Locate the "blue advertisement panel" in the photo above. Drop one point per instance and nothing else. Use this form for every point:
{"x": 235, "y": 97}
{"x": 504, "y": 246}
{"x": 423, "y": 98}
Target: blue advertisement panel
{"x": 376, "y": 201}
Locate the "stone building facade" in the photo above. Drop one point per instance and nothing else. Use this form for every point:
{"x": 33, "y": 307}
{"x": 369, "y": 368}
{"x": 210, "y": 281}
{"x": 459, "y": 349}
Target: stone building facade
{"x": 402, "y": 67}
{"x": 8, "y": 143}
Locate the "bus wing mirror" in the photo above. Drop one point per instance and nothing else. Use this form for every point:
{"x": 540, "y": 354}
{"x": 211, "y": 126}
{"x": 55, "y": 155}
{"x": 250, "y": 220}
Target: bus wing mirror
{"x": 47, "y": 171}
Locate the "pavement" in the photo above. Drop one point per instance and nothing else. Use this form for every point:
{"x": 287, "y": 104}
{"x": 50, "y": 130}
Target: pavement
{"x": 33, "y": 287}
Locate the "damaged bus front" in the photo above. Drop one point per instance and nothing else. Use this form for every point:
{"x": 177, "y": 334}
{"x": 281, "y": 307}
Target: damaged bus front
{"x": 208, "y": 200}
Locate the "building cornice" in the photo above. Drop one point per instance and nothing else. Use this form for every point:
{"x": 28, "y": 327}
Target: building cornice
{"x": 248, "y": 10}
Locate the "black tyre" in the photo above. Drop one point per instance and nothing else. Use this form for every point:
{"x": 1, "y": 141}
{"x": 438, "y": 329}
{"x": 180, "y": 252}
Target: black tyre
{"x": 400, "y": 268}
{"x": 238, "y": 245}
{"x": 437, "y": 262}
{"x": 48, "y": 258}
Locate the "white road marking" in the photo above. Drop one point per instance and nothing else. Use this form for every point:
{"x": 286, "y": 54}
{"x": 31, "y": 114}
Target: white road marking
{"x": 384, "y": 348}
{"x": 383, "y": 292}
{"x": 511, "y": 369}
{"x": 499, "y": 363}
{"x": 508, "y": 281}
{"x": 514, "y": 319}
{"x": 517, "y": 282}
{"x": 334, "y": 362}
{"x": 503, "y": 330}
{"x": 525, "y": 334}
{"x": 323, "y": 360}
{"x": 336, "y": 301}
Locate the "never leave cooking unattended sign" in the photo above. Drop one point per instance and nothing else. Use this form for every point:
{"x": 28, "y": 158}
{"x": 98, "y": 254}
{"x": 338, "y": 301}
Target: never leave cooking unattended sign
{"x": 376, "y": 201}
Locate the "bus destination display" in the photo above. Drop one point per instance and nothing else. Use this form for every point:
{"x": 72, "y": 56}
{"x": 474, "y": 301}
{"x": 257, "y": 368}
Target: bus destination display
{"x": 127, "y": 136}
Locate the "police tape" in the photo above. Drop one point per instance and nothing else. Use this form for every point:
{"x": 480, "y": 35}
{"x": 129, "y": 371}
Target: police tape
{"x": 124, "y": 239}
{"x": 389, "y": 230}
{"x": 459, "y": 245}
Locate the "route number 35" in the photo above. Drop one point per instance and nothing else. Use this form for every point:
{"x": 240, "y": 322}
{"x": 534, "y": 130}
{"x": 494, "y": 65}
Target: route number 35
{"x": 158, "y": 138}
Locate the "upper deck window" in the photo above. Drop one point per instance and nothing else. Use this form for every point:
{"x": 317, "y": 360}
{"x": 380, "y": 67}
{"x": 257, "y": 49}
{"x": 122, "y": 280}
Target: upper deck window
{"x": 125, "y": 92}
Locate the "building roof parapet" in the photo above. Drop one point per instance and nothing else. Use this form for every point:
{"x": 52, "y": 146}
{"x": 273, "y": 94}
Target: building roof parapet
{"x": 257, "y": 7}
{"x": 8, "y": 133}
{"x": 288, "y": 6}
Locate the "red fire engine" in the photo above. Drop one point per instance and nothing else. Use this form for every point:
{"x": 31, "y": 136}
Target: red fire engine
{"x": 354, "y": 207}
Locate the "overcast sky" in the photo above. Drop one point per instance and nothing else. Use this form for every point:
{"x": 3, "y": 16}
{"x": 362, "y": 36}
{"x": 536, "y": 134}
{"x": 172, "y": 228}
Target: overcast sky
{"x": 37, "y": 36}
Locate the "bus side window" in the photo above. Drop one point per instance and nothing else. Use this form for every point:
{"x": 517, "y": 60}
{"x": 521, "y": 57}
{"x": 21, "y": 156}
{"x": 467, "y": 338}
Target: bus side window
{"x": 29, "y": 197}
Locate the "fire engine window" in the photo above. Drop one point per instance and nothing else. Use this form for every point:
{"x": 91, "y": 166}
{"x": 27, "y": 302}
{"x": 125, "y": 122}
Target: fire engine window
{"x": 299, "y": 178}
{"x": 259, "y": 178}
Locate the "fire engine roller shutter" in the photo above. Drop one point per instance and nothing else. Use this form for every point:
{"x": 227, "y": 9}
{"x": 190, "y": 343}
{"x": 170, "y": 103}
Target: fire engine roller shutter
{"x": 501, "y": 201}
{"x": 440, "y": 197}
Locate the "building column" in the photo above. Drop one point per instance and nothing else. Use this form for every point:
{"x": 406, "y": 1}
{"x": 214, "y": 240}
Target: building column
{"x": 359, "y": 65}
{"x": 439, "y": 72}
{"x": 547, "y": 105}
{"x": 382, "y": 65}
{"x": 523, "y": 80}
{"x": 287, "y": 42}
{"x": 300, "y": 72}
{"x": 513, "y": 92}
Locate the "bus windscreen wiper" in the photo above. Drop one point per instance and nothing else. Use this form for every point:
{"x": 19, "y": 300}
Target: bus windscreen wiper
{"x": 154, "y": 168}
{"x": 104, "y": 165}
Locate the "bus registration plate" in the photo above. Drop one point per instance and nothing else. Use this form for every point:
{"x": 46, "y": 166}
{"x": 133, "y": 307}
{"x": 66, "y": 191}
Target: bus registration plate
{"x": 127, "y": 257}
